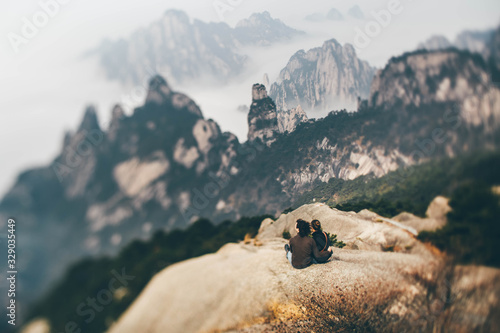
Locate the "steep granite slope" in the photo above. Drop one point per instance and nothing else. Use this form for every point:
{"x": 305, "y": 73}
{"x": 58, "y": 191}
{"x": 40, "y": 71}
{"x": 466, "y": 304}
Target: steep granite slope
{"x": 417, "y": 79}
{"x": 323, "y": 79}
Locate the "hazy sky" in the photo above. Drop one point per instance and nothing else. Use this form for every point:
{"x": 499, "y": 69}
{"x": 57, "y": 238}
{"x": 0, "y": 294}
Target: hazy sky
{"x": 47, "y": 83}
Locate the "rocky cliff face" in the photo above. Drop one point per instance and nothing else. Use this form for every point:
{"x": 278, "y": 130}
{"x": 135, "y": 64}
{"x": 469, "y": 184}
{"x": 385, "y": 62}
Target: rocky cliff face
{"x": 418, "y": 79}
{"x": 326, "y": 78}
{"x": 288, "y": 120}
{"x": 265, "y": 123}
{"x": 185, "y": 50}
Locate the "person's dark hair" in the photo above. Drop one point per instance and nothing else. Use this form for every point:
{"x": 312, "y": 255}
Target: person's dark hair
{"x": 304, "y": 228}
{"x": 316, "y": 225}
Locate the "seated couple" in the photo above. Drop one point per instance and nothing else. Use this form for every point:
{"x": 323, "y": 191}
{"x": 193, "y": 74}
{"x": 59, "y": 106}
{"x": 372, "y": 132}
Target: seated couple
{"x": 303, "y": 250}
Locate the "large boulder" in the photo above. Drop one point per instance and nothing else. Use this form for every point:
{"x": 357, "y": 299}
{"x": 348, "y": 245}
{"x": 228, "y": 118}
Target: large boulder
{"x": 240, "y": 284}
{"x": 435, "y": 216}
{"x": 364, "y": 230}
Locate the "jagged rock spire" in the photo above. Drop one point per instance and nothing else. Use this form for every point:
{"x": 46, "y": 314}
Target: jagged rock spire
{"x": 159, "y": 91}
{"x": 262, "y": 117}
{"x": 117, "y": 114}
{"x": 89, "y": 121}
{"x": 259, "y": 92}
{"x": 265, "y": 80}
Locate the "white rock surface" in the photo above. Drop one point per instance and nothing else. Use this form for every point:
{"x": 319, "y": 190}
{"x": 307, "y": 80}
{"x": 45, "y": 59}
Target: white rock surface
{"x": 436, "y": 216}
{"x": 184, "y": 155}
{"x": 323, "y": 79}
{"x": 238, "y": 283}
{"x": 358, "y": 231}
{"x": 134, "y": 174}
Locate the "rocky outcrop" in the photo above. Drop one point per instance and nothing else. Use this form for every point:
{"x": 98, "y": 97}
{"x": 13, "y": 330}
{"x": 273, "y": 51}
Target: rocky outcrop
{"x": 262, "y": 117}
{"x": 251, "y": 286}
{"x": 360, "y": 231}
{"x": 323, "y": 79}
{"x": 435, "y": 216}
{"x": 288, "y": 120}
{"x": 265, "y": 122}
{"x": 425, "y": 78}
{"x": 185, "y": 50}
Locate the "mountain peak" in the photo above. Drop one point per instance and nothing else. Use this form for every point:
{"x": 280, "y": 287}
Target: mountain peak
{"x": 323, "y": 78}
{"x": 89, "y": 121}
{"x": 259, "y": 92}
{"x": 334, "y": 15}
{"x": 332, "y": 41}
{"x": 177, "y": 14}
{"x": 117, "y": 112}
{"x": 356, "y": 12}
{"x": 158, "y": 91}
{"x": 256, "y": 19}
{"x": 261, "y": 28}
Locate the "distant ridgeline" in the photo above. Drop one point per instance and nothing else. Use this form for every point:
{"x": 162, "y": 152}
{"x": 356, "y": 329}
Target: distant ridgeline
{"x": 186, "y": 50}
{"x": 165, "y": 166}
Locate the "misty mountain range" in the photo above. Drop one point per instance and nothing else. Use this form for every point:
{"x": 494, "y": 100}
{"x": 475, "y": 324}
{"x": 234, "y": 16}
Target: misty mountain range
{"x": 165, "y": 165}
{"x": 185, "y": 50}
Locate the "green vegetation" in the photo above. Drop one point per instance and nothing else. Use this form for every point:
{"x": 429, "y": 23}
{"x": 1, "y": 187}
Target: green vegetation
{"x": 140, "y": 259}
{"x": 286, "y": 234}
{"x": 334, "y": 241}
{"x": 472, "y": 233}
{"x": 406, "y": 189}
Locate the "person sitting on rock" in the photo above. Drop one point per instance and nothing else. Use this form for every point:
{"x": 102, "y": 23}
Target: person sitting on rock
{"x": 302, "y": 250}
{"x": 322, "y": 242}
